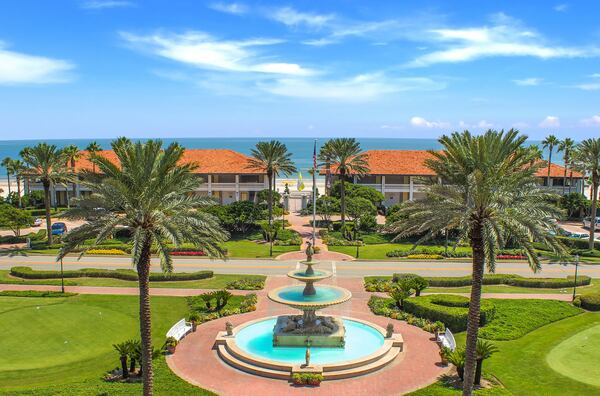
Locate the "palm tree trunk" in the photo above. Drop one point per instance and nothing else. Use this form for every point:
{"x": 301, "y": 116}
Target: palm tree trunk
{"x": 19, "y": 191}
{"x": 549, "y": 164}
{"x": 131, "y": 365}
{"x": 47, "y": 209}
{"x": 478, "y": 371}
{"x": 8, "y": 179}
{"x": 570, "y": 180}
{"x": 143, "y": 269}
{"x": 595, "y": 183}
{"x": 270, "y": 197}
{"x": 474, "y": 308}
{"x": 343, "y": 198}
{"x": 565, "y": 178}
{"x": 124, "y": 366}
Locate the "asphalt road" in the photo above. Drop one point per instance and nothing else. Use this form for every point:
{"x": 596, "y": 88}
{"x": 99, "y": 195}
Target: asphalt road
{"x": 276, "y": 267}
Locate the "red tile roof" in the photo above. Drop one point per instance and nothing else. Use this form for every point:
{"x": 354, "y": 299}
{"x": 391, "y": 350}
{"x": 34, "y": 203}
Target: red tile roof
{"x": 209, "y": 161}
{"x": 412, "y": 163}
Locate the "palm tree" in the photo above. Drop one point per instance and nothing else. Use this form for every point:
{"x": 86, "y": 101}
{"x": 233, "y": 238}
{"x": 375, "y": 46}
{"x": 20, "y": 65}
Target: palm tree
{"x": 326, "y": 158}
{"x": 123, "y": 349}
{"x": 150, "y": 193}
{"x": 92, "y": 149}
{"x": 17, "y": 168}
{"x": 485, "y": 350}
{"x": 349, "y": 159}
{"x": 489, "y": 195}
{"x": 6, "y": 163}
{"x": 272, "y": 158}
{"x": 586, "y": 158}
{"x": 549, "y": 143}
{"x": 47, "y": 164}
{"x": 72, "y": 154}
{"x": 566, "y": 146}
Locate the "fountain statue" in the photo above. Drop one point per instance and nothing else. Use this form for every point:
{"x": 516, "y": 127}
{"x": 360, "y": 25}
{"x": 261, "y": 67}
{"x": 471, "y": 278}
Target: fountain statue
{"x": 295, "y": 330}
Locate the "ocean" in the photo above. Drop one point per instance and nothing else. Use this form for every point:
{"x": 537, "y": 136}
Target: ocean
{"x": 301, "y": 148}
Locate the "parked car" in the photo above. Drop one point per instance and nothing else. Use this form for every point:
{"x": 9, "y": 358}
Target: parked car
{"x": 587, "y": 222}
{"x": 59, "y": 228}
{"x": 37, "y": 222}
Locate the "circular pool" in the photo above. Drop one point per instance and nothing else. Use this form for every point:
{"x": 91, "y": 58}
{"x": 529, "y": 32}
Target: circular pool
{"x": 324, "y": 296}
{"x": 256, "y": 339}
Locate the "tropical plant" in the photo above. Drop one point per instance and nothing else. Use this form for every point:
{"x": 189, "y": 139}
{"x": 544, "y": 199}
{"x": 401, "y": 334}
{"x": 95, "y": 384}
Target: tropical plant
{"x": 270, "y": 231}
{"x": 6, "y": 162}
{"x": 400, "y": 291}
{"x": 194, "y": 319}
{"x": 222, "y": 298}
{"x": 17, "y": 168}
{"x": 489, "y": 194}
{"x": 123, "y": 349}
{"x": 72, "y": 154}
{"x": 348, "y": 159}
{"x": 272, "y": 158}
{"x": 566, "y": 146}
{"x": 150, "y": 193}
{"x": 550, "y": 142}
{"x": 133, "y": 347}
{"x": 457, "y": 358}
{"x": 485, "y": 350}
{"x": 586, "y": 159}
{"x": 92, "y": 149}
{"x": 419, "y": 284}
{"x": 47, "y": 164}
{"x": 326, "y": 158}
{"x": 574, "y": 203}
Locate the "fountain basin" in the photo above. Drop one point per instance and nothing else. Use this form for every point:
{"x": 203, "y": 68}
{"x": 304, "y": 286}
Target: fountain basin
{"x": 316, "y": 276}
{"x": 324, "y": 296}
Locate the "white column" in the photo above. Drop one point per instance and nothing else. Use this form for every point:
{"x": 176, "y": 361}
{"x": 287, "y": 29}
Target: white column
{"x": 354, "y": 179}
{"x": 411, "y": 188}
{"x": 237, "y": 187}
{"x": 209, "y": 177}
{"x": 383, "y": 185}
{"x": 52, "y": 195}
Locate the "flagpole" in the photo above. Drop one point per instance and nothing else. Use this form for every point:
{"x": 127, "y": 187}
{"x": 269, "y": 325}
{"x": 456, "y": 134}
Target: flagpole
{"x": 314, "y": 192}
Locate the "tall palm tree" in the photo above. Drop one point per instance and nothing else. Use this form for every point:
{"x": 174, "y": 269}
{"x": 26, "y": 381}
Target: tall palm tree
{"x": 72, "y": 154}
{"x": 489, "y": 195}
{"x": 47, "y": 164}
{"x": 550, "y": 142}
{"x": 92, "y": 149}
{"x": 150, "y": 193}
{"x": 6, "y": 164}
{"x": 272, "y": 158}
{"x": 17, "y": 168}
{"x": 586, "y": 158}
{"x": 566, "y": 146}
{"x": 326, "y": 158}
{"x": 349, "y": 159}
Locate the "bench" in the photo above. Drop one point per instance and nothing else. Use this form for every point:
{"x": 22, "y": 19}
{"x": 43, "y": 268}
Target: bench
{"x": 179, "y": 329}
{"x": 447, "y": 340}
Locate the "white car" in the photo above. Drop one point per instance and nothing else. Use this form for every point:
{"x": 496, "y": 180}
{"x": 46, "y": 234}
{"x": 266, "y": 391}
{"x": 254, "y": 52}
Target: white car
{"x": 38, "y": 222}
{"x": 587, "y": 222}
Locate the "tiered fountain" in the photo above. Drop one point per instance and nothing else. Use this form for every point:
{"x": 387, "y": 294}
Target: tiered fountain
{"x": 279, "y": 346}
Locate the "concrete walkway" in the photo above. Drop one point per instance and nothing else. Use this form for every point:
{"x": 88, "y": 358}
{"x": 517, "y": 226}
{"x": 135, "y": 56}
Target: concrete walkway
{"x": 301, "y": 224}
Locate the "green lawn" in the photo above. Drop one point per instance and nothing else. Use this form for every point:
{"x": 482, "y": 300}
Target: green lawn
{"x": 218, "y": 281}
{"x": 248, "y": 249}
{"x": 54, "y": 341}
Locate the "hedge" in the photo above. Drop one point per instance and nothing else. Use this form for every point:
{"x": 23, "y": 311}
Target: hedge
{"x": 506, "y": 279}
{"x": 591, "y": 302}
{"x": 28, "y": 273}
{"x": 449, "y": 309}
{"x": 34, "y": 293}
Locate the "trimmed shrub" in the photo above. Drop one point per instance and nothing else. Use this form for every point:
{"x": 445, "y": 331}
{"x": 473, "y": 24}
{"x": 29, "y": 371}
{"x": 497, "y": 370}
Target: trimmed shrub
{"x": 425, "y": 256}
{"x": 28, "y": 273}
{"x": 246, "y": 284}
{"x": 188, "y": 253}
{"x": 435, "y": 250}
{"x": 449, "y": 309}
{"x": 591, "y": 302}
{"x": 34, "y": 293}
{"x": 109, "y": 252}
{"x": 506, "y": 279}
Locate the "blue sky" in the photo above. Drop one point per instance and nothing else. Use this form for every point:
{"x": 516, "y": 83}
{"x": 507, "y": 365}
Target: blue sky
{"x": 104, "y": 68}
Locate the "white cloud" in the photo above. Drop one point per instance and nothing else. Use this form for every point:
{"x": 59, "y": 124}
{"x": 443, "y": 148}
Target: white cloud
{"x": 504, "y": 37}
{"x": 394, "y": 127}
{"x": 588, "y": 86}
{"x": 550, "y": 122}
{"x": 421, "y": 122}
{"x": 592, "y": 121}
{"x": 561, "y": 7}
{"x": 291, "y": 17}
{"x": 528, "y": 82}
{"x": 103, "y": 4}
{"x": 19, "y": 68}
{"x": 595, "y": 75}
{"x": 230, "y": 8}
{"x": 359, "y": 88}
{"x": 483, "y": 124}
{"x": 204, "y": 51}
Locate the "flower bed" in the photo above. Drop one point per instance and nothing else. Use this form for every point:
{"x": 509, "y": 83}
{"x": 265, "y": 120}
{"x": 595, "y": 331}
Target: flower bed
{"x": 246, "y": 284}
{"x": 511, "y": 257}
{"x": 425, "y": 256}
{"x": 108, "y": 252}
{"x": 188, "y": 253}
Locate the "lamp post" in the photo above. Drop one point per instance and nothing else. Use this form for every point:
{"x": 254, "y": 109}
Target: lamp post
{"x": 575, "y": 283}
{"x": 62, "y": 277}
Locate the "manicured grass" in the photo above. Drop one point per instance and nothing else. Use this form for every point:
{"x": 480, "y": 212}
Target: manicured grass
{"x": 55, "y": 341}
{"x": 578, "y": 357}
{"x": 250, "y": 249}
{"x": 218, "y": 281}
{"x": 378, "y": 251}
{"x": 445, "y": 388}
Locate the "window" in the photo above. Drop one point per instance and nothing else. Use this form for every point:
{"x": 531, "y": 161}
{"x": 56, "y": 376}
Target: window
{"x": 224, "y": 179}
{"x": 249, "y": 179}
{"x": 369, "y": 179}
{"x": 397, "y": 179}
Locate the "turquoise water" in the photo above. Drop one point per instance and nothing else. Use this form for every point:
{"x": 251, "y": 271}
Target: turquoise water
{"x": 257, "y": 339}
{"x": 324, "y": 294}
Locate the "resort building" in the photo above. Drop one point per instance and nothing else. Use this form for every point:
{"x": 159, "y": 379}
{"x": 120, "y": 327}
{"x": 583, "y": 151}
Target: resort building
{"x": 225, "y": 174}
{"x": 401, "y": 175}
